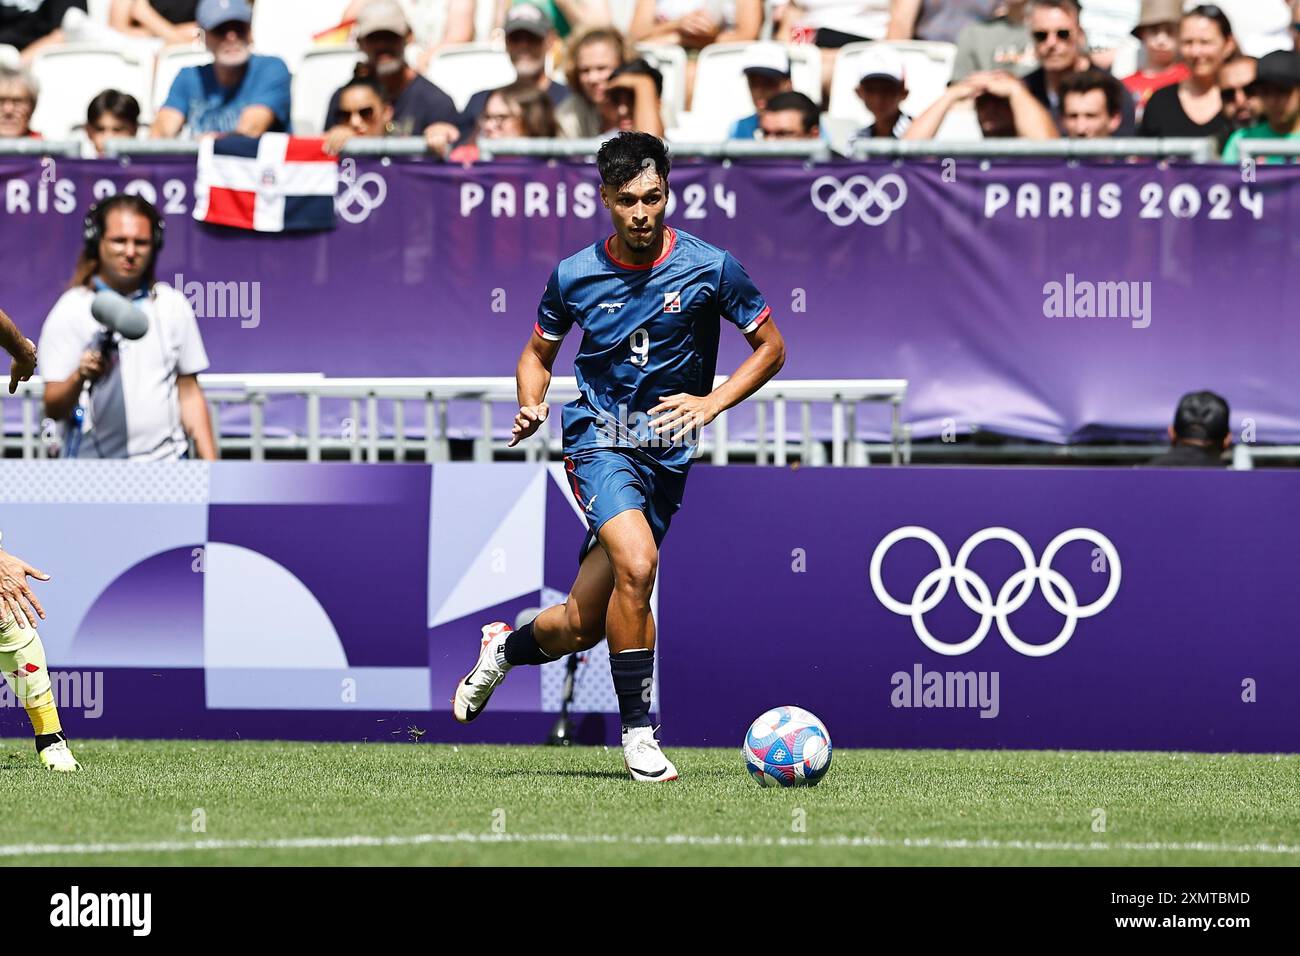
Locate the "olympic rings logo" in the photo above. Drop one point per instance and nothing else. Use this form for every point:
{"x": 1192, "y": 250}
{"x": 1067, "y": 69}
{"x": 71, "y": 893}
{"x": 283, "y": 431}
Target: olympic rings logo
{"x": 976, "y": 595}
{"x": 361, "y": 196}
{"x": 859, "y": 198}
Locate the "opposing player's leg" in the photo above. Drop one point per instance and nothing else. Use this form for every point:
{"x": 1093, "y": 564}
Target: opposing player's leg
{"x": 22, "y": 658}
{"x": 630, "y": 629}
{"x": 575, "y": 625}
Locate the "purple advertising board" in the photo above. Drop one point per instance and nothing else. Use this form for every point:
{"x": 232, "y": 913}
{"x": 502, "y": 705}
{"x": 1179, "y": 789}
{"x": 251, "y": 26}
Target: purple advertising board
{"x": 906, "y": 607}
{"x": 1037, "y": 299}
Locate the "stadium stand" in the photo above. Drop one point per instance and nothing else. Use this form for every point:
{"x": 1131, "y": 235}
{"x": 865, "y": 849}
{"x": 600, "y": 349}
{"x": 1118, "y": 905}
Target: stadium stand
{"x": 72, "y": 75}
{"x": 927, "y": 67}
{"x": 286, "y": 29}
{"x": 671, "y": 62}
{"x": 721, "y": 94}
{"x": 464, "y": 69}
{"x": 321, "y": 71}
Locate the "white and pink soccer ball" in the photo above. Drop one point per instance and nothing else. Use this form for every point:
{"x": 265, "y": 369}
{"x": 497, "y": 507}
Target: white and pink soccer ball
{"x": 787, "y": 747}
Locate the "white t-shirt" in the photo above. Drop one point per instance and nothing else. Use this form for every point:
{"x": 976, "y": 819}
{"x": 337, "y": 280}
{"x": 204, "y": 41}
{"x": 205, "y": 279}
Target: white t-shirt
{"x": 864, "y": 18}
{"x": 722, "y": 10}
{"x": 133, "y": 410}
{"x": 1109, "y": 23}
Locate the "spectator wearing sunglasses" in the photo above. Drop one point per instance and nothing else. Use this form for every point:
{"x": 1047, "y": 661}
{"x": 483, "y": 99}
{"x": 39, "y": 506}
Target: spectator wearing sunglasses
{"x": 1193, "y": 108}
{"x": 517, "y": 111}
{"x": 362, "y": 111}
{"x": 1158, "y": 30}
{"x": 1277, "y": 84}
{"x": 1059, "y": 45}
{"x": 1236, "y": 88}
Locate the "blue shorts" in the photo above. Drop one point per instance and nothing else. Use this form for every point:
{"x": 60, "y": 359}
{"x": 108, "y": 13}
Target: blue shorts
{"x": 609, "y": 481}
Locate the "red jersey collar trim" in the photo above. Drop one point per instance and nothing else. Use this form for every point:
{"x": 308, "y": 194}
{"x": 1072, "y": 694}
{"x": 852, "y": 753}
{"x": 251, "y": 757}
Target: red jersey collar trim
{"x": 671, "y": 244}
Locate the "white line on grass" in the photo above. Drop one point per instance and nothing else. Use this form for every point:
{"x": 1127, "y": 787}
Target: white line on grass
{"x": 423, "y": 839}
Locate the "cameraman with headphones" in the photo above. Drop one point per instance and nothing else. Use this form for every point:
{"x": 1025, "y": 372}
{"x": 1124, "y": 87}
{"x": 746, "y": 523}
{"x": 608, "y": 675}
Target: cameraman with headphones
{"x": 121, "y": 397}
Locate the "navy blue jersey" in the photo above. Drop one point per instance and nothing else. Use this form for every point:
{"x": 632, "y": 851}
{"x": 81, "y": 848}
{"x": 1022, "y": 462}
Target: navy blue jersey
{"x": 648, "y": 331}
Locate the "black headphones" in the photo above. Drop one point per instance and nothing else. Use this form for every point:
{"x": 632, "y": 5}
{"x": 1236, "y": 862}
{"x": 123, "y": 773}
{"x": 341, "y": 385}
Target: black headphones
{"x": 92, "y": 230}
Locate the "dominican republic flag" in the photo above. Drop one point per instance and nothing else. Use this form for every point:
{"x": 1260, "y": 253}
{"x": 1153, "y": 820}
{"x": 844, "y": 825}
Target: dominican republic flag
{"x": 271, "y": 183}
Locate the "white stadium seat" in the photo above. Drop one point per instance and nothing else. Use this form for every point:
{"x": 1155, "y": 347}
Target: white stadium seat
{"x": 170, "y": 62}
{"x": 620, "y": 13}
{"x": 670, "y": 60}
{"x": 72, "y": 75}
{"x": 722, "y": 95}
{"x": 98, "y": 10}
{"x": 464, "y": 69}
{"x": 285, "y": 28}
{"x": 322, "y": 71}
{"x": 927, "y": 66}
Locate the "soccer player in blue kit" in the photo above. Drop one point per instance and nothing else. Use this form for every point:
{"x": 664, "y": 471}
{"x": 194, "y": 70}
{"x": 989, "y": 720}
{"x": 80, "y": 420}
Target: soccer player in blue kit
{"x": 650, "y": 300}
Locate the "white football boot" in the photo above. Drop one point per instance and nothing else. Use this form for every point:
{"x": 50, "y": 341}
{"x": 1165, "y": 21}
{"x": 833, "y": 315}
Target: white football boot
{"x": 643, "y": 758}
{"x": 58, "y": 757}
{"x": 473, "y": 692}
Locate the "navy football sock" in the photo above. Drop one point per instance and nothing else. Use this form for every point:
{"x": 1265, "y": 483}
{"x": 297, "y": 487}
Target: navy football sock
{"x": 522, "y": 648}
{"x": 634, "y": 673}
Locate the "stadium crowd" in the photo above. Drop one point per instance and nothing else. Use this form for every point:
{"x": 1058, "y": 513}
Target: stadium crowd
{"x": 1034, "y": 69}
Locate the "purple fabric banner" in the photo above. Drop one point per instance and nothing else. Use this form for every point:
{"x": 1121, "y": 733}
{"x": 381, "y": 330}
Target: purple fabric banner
{"x": 914, "y": 607}
{"x": 1040, "y": 300}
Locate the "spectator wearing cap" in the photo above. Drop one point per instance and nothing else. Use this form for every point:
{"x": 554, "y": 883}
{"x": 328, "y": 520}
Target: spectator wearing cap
{"x": 363, "y": 111}
{"x": 1241, "y": 107}
{"x": 594, "y": 55}
{"x": 1059, "y": 46}
{"x": 694, "y": 25}
{"x": 568, "y": 16}
{"x": 18, "y": 93}
{"x": 435, "y": 25}
{"x": 238, "y": 92}
{"x": 1193, "y": 108}
{"x": 34, "y": 25}
{"x": 1199, "y": 435}
{"x": 631, "y": 100}
{"x": 1277, "y": 84}
{"x": 790, "y": 115}
{"x": 936, "y": 20}
{"x": 111, "y": 115}
{"x": 882, "y": 89}
{"x": 419, "y": 107}
{"x": 1003, "y": 105}
{"x": 1090, "y": 104}
{"x": 1157, "y": 28}
{"x": 529, "y": 35}
{"x": 1002, "y": 43}
{"x": 768, "y": 74}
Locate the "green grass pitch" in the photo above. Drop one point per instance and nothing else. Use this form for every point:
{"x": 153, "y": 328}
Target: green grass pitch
{"x": 137, "y": 802}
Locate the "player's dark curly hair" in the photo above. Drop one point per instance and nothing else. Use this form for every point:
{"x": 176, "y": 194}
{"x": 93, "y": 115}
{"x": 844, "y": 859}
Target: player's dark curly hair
{"x": 621, "y": 159}
{"x": 1202, "y": 416}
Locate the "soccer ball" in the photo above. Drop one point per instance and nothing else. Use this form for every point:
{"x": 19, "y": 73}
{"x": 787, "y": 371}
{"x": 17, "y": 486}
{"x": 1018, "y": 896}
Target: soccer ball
{"x": 787, "y": 747}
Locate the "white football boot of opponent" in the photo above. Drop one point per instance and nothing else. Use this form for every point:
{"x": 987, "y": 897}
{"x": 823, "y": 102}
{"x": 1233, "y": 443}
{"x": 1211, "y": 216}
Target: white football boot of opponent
{"x": 643, "y": 758}
{"x": 58, "y": 757}
{"x": 473, "y": 692}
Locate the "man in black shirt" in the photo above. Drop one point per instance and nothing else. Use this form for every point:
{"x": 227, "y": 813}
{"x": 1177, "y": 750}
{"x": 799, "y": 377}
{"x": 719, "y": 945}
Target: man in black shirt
{"x": 1199, "y": 434}
{"x": 419, "y": 107}
{"x": 1058, "y": 43}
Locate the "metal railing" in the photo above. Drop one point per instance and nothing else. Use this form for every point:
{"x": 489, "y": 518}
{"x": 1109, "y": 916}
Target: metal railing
{"x": 1196, "y": 150}
{"x": 368, "y": 439}
{"x": 1250, "y": 148}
